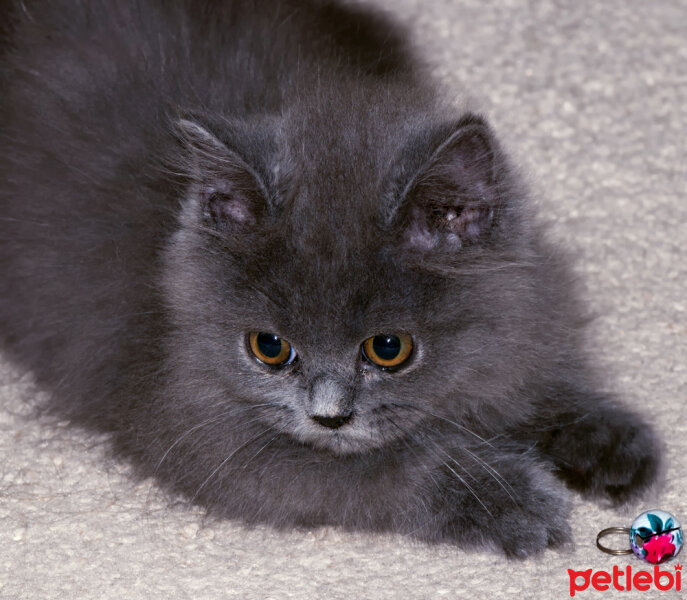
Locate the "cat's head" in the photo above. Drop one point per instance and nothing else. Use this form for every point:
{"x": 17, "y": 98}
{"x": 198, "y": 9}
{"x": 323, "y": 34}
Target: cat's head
{"x": 350, "y": 288}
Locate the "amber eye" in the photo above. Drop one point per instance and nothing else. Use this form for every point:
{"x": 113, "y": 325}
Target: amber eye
{"x": 271, "y": 349}
{"x": 388, "y": 351}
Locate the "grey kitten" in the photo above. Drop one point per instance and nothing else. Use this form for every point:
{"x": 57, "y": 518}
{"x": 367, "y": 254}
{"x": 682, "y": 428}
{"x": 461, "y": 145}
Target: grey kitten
{"x": 249, "y": 241}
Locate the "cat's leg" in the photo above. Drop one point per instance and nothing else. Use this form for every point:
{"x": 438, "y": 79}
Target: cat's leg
{"x": 485, "y": 497}
{"x": 598, "y": 448}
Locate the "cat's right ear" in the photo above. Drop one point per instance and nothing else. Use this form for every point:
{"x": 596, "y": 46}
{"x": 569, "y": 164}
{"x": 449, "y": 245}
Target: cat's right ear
{"x": 229, "y": 194}
{"x": 453, "y": 199}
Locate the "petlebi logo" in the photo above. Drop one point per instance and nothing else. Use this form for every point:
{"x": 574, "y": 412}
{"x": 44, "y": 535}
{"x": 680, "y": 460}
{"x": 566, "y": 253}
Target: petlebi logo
{"x": 661, "y": 579}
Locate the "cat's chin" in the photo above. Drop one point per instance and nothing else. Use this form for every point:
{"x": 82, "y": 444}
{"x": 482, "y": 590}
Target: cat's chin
{"x": 342, "y": 443}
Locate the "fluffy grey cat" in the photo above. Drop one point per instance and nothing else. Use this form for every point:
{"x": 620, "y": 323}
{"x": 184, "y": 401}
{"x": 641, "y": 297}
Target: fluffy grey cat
{"x": 250, "y": 241}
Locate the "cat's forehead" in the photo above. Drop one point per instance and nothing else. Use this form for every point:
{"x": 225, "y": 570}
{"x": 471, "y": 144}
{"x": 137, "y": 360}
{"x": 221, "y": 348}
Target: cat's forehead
{"x": 343, "y": 145}
{"x": 336, "y": 203}
{"x": 318, "y": 287}
{"x": 334, "y": 260}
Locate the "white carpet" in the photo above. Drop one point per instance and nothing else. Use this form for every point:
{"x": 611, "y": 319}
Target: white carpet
{"x": 591, "y": 98}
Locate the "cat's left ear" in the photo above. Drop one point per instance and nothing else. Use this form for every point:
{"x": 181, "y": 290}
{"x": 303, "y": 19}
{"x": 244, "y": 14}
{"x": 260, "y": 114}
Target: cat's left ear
{"x": 228, "y": 192}
{"x": 453, "y": 200}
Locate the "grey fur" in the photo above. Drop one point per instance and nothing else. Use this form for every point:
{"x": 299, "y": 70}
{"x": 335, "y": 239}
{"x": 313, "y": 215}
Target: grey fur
{"x": 177, "y": 176}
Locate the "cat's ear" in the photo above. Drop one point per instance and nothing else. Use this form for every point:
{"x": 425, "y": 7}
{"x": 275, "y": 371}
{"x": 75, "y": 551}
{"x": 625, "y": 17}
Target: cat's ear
{"x": 453, "y": 199}
{"x": 229, "y": 193}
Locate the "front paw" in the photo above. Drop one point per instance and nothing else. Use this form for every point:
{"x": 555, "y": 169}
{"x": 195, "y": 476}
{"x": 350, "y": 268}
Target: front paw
{"x": 611, "y": 454}
{"x": 520, "y": 515}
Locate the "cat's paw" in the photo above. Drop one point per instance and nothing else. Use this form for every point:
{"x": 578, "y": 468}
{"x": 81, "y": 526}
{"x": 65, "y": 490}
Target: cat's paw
{"x": 519, "y": 516}
{"x": 531, "y": 519}
{"x": 612, "y": 454}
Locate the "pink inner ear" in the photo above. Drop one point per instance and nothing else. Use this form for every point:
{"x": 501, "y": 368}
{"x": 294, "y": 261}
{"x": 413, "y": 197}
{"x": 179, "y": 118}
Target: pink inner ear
{"x": 226, "y": 209}
{"x": 456, "y": 226}
{"x": 420, "y": 237}
{"x": 238, "y": 212}
{"x": 472, "y": 222}
{"x": 453, "y": 199}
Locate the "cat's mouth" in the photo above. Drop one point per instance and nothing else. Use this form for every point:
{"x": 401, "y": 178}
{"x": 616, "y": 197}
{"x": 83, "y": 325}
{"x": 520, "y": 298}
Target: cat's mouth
{"x": 360, "y": 431}
{"x": 359, "y": 434}
{"x": 342, "y": 444}
{"x": 351, "y": 437}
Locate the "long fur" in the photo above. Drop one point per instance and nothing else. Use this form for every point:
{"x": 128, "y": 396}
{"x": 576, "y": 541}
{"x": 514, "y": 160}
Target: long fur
{"x": 174, "y": 176}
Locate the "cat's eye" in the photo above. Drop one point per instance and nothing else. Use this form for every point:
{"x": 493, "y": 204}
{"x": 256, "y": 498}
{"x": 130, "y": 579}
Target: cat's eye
{"x": 270, "y": 349}
{"x": 388, "y": 351}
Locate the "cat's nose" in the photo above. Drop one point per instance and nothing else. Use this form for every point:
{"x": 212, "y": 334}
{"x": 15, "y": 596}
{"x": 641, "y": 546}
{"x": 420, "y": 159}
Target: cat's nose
{"x": 332, "y": 422}
{"x": 330, "y": 404}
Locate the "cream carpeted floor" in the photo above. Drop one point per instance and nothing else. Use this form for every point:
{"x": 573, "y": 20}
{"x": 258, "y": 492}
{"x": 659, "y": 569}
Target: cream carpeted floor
{"x": 591, "y": 98}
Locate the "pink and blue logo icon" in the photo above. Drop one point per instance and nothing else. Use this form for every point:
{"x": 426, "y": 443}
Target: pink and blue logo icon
{"x": 656, "y": 536}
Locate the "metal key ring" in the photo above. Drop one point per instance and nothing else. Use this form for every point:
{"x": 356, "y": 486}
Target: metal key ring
{"x": 608, "y": 531}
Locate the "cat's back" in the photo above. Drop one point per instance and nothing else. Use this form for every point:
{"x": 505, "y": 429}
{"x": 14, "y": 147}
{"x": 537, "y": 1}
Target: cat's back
{"x": 90, "y": 95}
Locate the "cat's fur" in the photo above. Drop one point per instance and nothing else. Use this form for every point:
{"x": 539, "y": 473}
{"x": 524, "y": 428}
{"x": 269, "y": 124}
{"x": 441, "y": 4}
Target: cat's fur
{"x": 176, "y": 175}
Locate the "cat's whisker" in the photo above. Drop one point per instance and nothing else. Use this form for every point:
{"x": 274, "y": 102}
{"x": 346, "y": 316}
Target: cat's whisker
{"x": 453, "y": 460}
{"x": 227, "y": 459}
{"x": 453, "y": 471}
{"x": 461, "y": 479}
{"x": 216, "y": 420}
{"x": 507, "y": 487}
{"x": 207, "y": 422}
{"x": 490, "y": 470}
{"x": 560, "y": 424}
{"x": 478, "y": 270}
{"x": 211, "y": 421}
{"x": 274, "y": 437}
{"x": 410, "y": 447}
{"x": 181, "y": 437}
{"x": 431, "y": 414}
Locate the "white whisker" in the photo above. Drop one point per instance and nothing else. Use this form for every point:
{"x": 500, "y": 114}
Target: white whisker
{"x": 431, "y": 414}
{"x": 227, "y": 459}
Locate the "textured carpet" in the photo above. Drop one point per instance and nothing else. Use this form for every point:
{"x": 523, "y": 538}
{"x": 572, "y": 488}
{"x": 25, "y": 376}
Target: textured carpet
{"x": 591, "y": 98}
